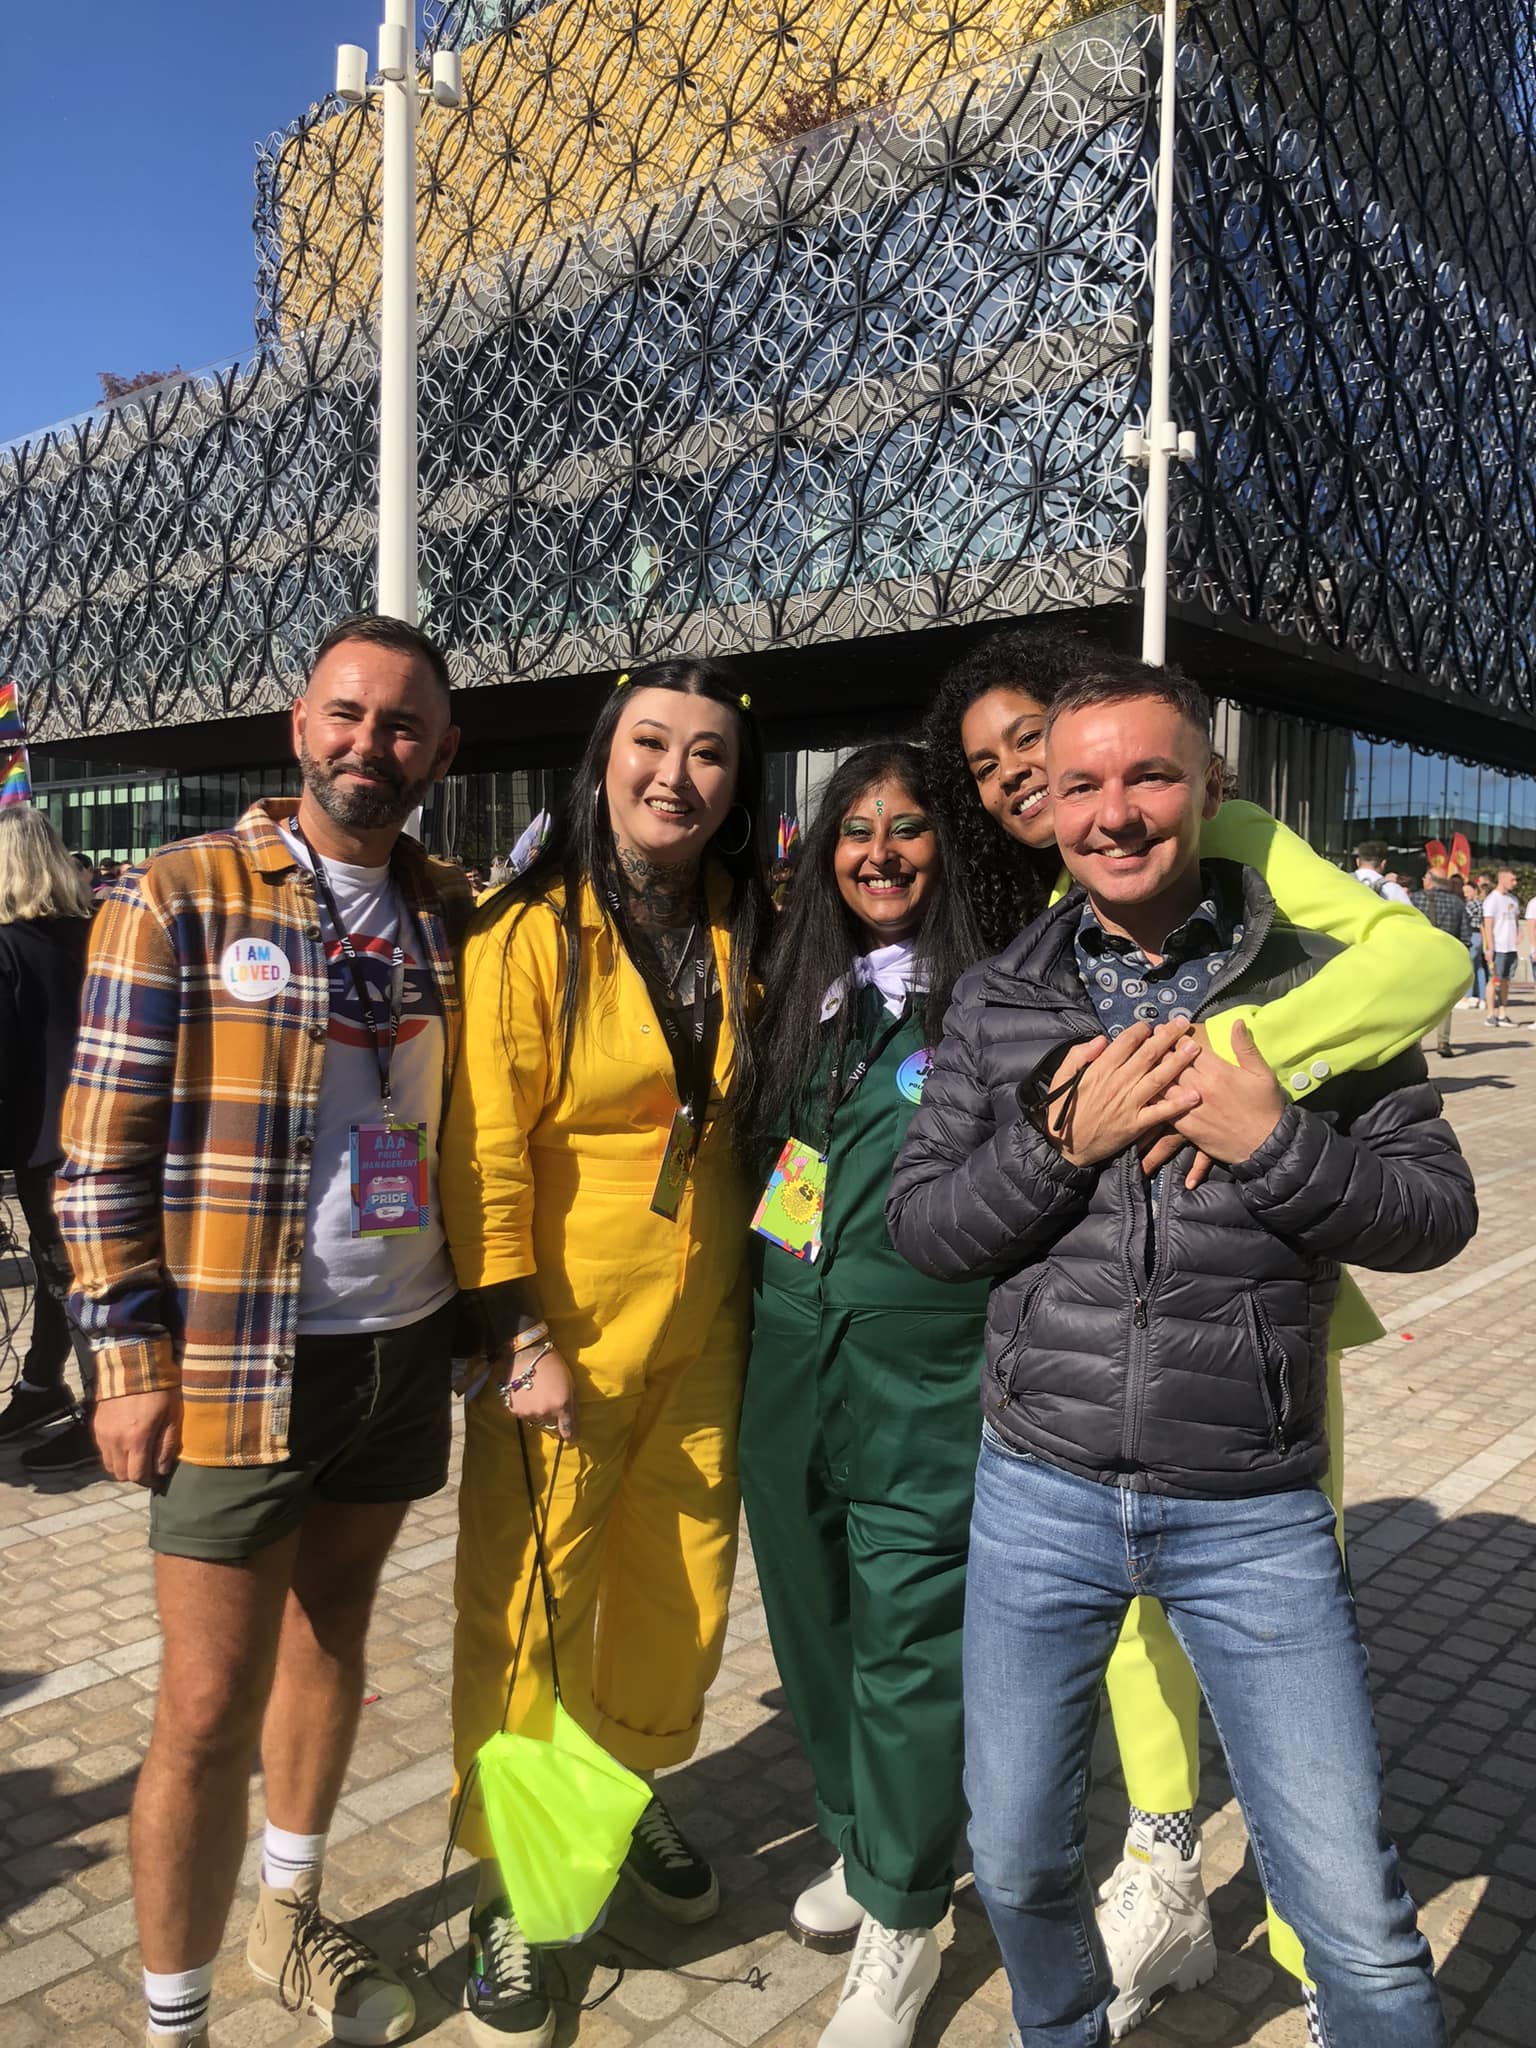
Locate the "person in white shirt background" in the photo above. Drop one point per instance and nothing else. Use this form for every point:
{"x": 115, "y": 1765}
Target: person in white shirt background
{"x": 1369, "y": 855}
{"x": 1501, "y": 945}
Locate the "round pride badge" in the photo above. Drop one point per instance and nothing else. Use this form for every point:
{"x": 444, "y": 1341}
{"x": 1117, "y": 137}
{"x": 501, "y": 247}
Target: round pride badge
{"x": 254, "y": 970}
{"x": 913, "y": 1072}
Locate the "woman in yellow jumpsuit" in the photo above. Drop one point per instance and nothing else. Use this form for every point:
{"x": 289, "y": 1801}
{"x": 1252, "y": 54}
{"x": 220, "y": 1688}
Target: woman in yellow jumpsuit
{"x": 595, "y": 1213}
{"x": 984, "y": 733}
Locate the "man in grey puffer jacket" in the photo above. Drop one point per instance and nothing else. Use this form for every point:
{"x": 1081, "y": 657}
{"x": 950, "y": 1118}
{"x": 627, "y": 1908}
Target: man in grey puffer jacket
{"x": 1154, "y": 1388}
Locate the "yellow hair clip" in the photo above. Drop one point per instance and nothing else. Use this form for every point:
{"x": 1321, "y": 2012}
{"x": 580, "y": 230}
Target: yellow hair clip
{"x": 623, "y": 680}
{"x": 745, "y": 701}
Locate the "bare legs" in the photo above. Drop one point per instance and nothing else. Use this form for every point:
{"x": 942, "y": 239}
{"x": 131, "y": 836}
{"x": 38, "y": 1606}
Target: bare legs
{"x": 268, "y": 1650}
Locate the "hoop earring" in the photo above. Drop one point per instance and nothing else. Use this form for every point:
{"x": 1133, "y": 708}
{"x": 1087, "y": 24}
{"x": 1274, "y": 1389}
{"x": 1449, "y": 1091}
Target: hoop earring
{"x": 730, "y": 852}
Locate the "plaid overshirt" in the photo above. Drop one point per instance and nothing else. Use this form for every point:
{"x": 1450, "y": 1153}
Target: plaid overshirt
{"x": 1448, "y": 909}
{"x": 189, "y": 1128}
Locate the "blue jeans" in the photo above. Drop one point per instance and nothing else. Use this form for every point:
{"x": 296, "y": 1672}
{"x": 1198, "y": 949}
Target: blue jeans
{"x": 1255, "y": 1592}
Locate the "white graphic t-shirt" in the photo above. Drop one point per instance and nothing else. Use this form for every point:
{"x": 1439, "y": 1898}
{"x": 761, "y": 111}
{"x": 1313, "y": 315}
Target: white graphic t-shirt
{"x": 1503, "y": 916}
{"x": 371, "y": 1283}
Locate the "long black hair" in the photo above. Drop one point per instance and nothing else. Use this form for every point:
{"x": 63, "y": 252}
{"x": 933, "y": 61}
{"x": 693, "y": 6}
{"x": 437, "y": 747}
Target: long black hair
{"x": 1007, "y": 885}
{"x": 818, "y": 936}
{"x": 580, "y": 847}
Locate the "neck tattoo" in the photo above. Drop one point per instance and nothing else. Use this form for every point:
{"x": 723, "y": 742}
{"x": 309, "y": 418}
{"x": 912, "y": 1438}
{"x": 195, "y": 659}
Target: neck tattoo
{"x": 658, "y": 896}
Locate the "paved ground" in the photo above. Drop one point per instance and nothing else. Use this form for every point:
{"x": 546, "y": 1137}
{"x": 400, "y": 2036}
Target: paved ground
{"x": 1442, "y": 1493}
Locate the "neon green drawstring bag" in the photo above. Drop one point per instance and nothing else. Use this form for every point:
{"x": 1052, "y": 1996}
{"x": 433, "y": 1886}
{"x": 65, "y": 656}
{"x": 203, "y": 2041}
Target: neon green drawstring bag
{"x": 561, "y": 1815}
{"x": 560, "y": 1811}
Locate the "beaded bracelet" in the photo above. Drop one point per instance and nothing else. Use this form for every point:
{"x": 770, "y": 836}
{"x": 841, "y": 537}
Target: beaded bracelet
{"x": 520, "y": 1382}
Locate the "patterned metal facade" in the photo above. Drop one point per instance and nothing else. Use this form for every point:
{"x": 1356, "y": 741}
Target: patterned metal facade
{"x": 691, "y": 379}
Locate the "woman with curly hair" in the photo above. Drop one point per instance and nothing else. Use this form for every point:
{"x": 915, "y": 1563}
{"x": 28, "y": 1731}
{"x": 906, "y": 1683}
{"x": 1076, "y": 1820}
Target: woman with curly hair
{"x": 1394, "y": 976}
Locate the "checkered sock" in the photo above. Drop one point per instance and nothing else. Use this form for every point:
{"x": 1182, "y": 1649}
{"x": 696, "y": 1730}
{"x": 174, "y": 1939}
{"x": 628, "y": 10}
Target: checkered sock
{"x": 178, "y": 2003}
{"x": 1176, "y": 1829}
{"x": 1314, "y": 2017}
{"x": 286, "y": 1858}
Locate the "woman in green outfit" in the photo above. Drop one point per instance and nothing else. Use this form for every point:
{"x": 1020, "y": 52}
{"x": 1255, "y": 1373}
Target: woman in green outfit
{"x": 860, "y": 1425}
{"x": 1395, "y": 975}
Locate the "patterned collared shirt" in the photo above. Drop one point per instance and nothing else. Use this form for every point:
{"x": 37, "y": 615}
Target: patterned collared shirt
{"x": 1448, "y": 909}
{"x": 1127, "y": 989}
{"x": 189, "y": 1124}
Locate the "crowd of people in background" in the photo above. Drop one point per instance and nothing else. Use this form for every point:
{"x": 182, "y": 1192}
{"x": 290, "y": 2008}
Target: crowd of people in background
{"x": 967, "y": 1196}
{"x": 1482, "y": 911}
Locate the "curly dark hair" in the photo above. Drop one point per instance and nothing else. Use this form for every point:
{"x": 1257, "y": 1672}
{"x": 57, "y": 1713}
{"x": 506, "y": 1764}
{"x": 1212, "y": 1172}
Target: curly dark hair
{"x": 1008, "y": 885}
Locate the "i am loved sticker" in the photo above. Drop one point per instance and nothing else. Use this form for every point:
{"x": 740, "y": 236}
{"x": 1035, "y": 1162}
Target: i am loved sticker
{"x": 254, "y": 970}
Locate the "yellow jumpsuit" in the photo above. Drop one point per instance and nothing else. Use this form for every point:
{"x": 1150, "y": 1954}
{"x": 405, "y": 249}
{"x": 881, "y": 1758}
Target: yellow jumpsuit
{"x": 550, "y": 1180}
{"x": 1357, "y": 1013}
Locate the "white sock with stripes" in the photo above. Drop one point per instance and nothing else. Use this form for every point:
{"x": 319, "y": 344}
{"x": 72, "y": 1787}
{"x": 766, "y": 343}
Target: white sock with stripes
{"x": 178, "y": 2003}
{"x": 286, "y": 1860}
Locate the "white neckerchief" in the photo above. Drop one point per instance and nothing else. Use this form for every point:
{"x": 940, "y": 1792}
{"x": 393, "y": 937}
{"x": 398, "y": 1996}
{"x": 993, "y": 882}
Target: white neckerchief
{"x": 891, "y": 969}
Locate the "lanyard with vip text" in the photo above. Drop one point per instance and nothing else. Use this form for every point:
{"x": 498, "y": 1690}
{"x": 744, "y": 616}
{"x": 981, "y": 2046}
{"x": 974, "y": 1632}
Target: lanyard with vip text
{"x": 693, "y": 1050}
{"x": 383, "y": 1047}
{"x": 841, "y": 1087}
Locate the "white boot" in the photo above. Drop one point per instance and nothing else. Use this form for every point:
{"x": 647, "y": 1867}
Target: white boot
{"x": 890, "y": 1977}
{"x": 1156, "y": 1927}
{"x": 826, "y": 1916}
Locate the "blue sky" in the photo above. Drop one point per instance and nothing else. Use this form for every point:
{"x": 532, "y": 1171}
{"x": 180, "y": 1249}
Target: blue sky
{"x": 127, "y": 161}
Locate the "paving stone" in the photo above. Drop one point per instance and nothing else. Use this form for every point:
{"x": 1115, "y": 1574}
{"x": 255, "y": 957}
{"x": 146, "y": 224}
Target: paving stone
{"x": 36, "y": 1963}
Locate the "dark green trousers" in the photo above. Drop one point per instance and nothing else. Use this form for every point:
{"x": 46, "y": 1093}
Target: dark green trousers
{"x": 858, "y": 1457}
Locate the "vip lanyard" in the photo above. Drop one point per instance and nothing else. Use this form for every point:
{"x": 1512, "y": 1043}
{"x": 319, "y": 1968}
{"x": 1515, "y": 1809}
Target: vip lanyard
{"x": 841, "y": 1088}
{"x": 692, "y": 1050}
{"x": 383, "y": 1046}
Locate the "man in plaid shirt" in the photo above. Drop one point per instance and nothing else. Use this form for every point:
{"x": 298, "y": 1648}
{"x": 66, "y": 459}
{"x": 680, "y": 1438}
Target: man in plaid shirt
{"x": 268, "y": 1034}
{"x": 1443, "y": 901}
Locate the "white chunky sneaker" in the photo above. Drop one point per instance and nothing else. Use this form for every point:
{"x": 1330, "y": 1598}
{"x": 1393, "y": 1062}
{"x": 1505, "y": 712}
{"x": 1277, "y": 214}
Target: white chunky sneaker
{"x": 826, "y": 1916}
{"x": 891, "y": 1976}
{"x": 1156, "y": 1927}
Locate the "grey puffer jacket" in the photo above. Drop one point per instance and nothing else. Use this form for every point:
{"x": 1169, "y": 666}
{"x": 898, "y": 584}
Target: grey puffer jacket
{"x": 1172, "y": 1341}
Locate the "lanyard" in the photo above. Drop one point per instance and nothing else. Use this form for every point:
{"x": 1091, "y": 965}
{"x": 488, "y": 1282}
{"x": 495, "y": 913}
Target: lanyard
{"x": 841, "y": 1088}
{"x": 383, "y": 1047}
{"x": 692, "y": 1048}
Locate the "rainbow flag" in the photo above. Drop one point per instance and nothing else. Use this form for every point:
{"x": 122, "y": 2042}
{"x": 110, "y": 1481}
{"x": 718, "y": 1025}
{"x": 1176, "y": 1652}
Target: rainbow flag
{"x": 15, "y": 782}
{"x": 11, "y": 727}
{"x": 789, "y": 835}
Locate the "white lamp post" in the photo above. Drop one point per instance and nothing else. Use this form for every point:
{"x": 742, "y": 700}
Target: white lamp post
{"x": 1154, "y": 445}
{"x": 400, "y": 88}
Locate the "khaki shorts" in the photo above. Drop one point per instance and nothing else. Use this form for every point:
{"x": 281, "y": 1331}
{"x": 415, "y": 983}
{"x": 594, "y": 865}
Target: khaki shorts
{"x": 371, "y": 1422}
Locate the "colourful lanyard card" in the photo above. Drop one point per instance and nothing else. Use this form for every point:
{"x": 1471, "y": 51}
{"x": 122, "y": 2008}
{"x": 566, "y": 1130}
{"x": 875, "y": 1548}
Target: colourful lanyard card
{"x": 789, "y": 1213}
{"x": 389, "y": 1180}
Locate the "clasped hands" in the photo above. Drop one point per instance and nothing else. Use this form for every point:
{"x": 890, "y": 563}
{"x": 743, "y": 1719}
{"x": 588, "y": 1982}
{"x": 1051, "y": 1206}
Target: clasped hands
{"x": 1161, "y": 1090}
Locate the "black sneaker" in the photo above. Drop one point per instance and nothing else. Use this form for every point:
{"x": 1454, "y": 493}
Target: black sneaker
{"x": 666, "y": 1872}
{"x": 505, "y": 1996}
{"x": 32, "y": 1408}
{"x": 67, "y": 1450}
